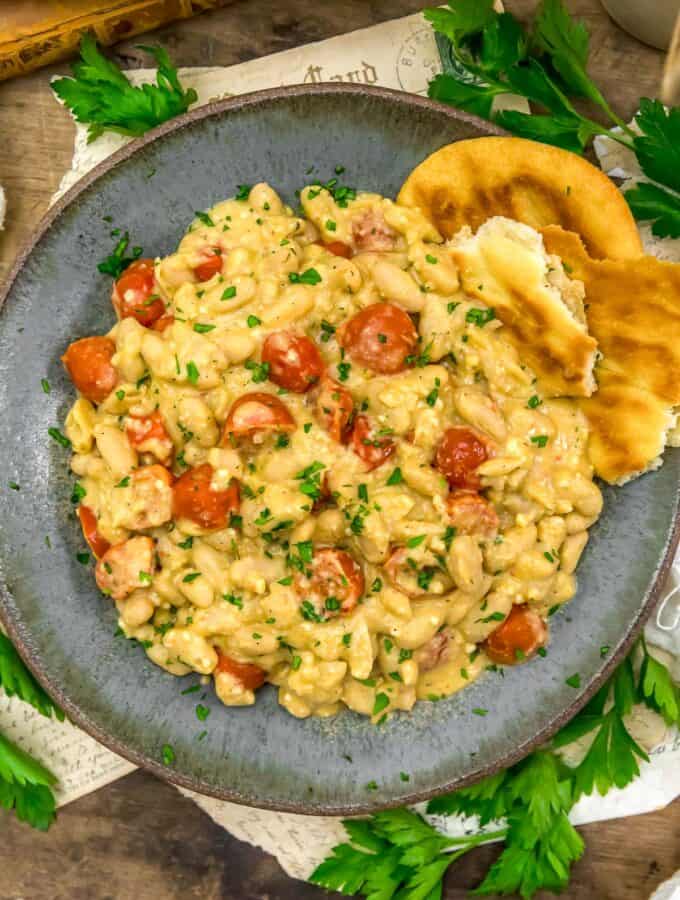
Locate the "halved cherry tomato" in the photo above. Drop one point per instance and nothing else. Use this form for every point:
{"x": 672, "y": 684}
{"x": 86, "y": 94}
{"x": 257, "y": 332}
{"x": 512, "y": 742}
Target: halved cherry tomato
{"x": 334, "y": 407}
{"x": 459, "y": 453}
{"x": 88, "y": 362}
{"x": 163, "y": 323}
{"x": 517, "y": 638}
{"x": 132, "y": 295}
{"x": 148, "y": 434}
{"x": 120, "y": 570}
{"x": 374, "y": 451}
{"x": 256, "y": 413}
{"x": 88, "y": 522}
{"x": 470, "y": 513}
{"x": 294, "y": 361}
{"x": 337, "y": 248}
{"x": 195, "y": 499}
{"x": 379, "y": 337}
{"x": 210, "y": 266}
{"x": 334, "y": 584}
{"x": 371, "y": 232}
{"x": 251, "y": 677}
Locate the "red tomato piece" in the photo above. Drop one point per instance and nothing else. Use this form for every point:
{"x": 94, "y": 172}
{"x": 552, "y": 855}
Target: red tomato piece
{"x": 294, "y": 361}
{"x": 372, "y": 233}
{"x": 470, "y": 513}
{"x": 517, "y": 638}
{"x": 334, "y": 407}
{"x": 380, "y": 337}
{"x": 337, "y": 248}
{"x": 133, "y": 294}
{"x": 251, "y": 676}
{"x": 88, "y": 363}
{"x": 148, "y": 434}
{"x": 118, "y": 571}
{"x": 163, "y": 323}
{"x": 374, "y": 451}
{"x": 210, "y": 266}
{"x": 88, "y": 522}
{"x": 333, "y": 582}
{"x": 195, "y": 499}
{"x": 458, "y": 455}
{"x": 256, "y": 413}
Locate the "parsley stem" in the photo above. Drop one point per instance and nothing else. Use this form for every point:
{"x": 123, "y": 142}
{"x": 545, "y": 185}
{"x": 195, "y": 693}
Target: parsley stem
{"x": 474, "y": 840}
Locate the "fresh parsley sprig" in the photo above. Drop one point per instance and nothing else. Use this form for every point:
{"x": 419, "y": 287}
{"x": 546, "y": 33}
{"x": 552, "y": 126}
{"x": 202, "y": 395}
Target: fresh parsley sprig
{"x": 100, "y": 95}
{"x": 397, "y": 854}
{"x": 24, "y": 783}
{"x": 490, "y": 53}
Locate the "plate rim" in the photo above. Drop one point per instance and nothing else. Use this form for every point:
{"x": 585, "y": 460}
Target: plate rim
{"x": 19, "y": 633}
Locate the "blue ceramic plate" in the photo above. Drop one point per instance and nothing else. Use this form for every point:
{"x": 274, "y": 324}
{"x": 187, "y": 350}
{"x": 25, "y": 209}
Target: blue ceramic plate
{"x": 65, "y": 629}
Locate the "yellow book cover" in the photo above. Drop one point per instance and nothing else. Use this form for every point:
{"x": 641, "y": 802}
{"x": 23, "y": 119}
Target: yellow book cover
{"x": 35, "y": 33}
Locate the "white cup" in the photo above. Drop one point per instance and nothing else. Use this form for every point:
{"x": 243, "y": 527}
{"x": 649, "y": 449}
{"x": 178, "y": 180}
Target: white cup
{"x": 651, "y": 21}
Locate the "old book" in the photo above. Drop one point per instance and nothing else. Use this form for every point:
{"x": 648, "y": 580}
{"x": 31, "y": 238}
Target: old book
{"x": 35, "y": 33}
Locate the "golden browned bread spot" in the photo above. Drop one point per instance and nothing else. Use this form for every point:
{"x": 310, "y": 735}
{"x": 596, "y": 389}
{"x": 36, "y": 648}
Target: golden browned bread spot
{"x": 505, "y": 266}
{"x": 633, "y": 311}
{"x": 467, "y": 182}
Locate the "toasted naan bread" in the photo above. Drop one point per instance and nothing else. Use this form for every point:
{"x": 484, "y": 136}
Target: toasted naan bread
{"x": 467, "y": 182}
{"x": 633, "y": 311}
{"x": 506, "y": 267}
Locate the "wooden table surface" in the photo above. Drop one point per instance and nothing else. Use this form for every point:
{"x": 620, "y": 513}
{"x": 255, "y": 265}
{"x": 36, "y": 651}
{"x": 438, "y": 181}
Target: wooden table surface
{"x": 139, "y": 839}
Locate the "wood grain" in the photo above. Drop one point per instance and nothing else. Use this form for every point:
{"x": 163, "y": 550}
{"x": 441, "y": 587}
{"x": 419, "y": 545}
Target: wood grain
{"x": 139, "y": 839}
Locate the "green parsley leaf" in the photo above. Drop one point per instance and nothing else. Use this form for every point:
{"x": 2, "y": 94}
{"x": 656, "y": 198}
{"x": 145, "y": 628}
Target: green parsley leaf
{"x": 260, "y": 370}
{"x": 204, "y": 218}
{"x": 100, "y": 95}
{"x": 199, "y": 328}
{"x": 44, "y": 383}
{"x": 60, "y": 438}
{"x": 243, "y": 192}
{"x": 202, "y": 712}
{"x": 228, "y": 293}
{"x": 480, "y": 317}
{"x": 396, "y": 477}
{"x": 309, "y": 276}
{"x": 651, "y": 203}
{"x": 253, "y": 321}
{"x": 539, "y": 439}
{"x": 167, "y": 755}
{"x": 17, "y": 681}
{"x": 192, "y": 372}
{"x": 234, "y": 600}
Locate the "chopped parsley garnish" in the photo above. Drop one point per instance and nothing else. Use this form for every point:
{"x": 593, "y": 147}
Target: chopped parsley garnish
{"x": 332, "y": 604}
{"x": 167, "y": 754}
{"x": 448, "y": 536}
{"x": 382, "y": 701}
{"x": 253, "y": 321}
{"x": 376, "y": 586}
{"x": 192, "y": 576}
{"x": 574, "y": 680}
{"x": 286, "y": 581}
{"x": 415, "y": 541}
{"x": 78, "y": 493}
{"x": 264, "y": 517}
{"x": 83, "y": 558}
{"x": 451, "y": 306}
{"x": 305, "y": 550}
{"x": 431, "y": 259}
{"x": 145, "y": 578}
{"x": 549, "y": 556}
{"x": 327, "y": 331}
{"x": 296, "y": 663}
{"x": 234, "y": 600}
{"x": 310, "y": 480}
{"x": 194, "y": 689}
{"x": 479, "y": 711}
{"x": 44, "y": 383}
{"x": 187, "y": 544}
{"x": 431, "y": 398}
{"x": 204, "y": 218}
{"x": 117, "y": 262}
{"x": 260, "y": 370}
{"x": 199, "y": 328}
{"x": 330, "y": 225}
{"x": 228, "y": 293}
{"x": 309, "y": 276}
{"x": 192, "y": 372}
{"x": 534, "y": 401}
{"x": 540, "y": 440}
{"x": 124, "y": 482}
{"x": 243, "y": 192}
{"x": 344, "y": 368}
{"x": 396, "y": 477}
{"x": 604, "y": 650}
{"x": 60, "y": 438}
{"x": 282, "y": 440}
{"x": 347, "y": 639}
{"x": 308, "y": 612}
{"x": 480, "y": 317}
{"x": 404, "y": 655}
{"x": 202, "y": 712}
{"x": 421, "y": 359}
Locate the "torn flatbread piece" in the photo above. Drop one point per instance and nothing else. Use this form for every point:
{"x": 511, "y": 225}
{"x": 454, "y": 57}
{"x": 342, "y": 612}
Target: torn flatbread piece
{"x": 633, "y": 311}
{"x": 506, "y": 267}
{"x": 467, "y": 182}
